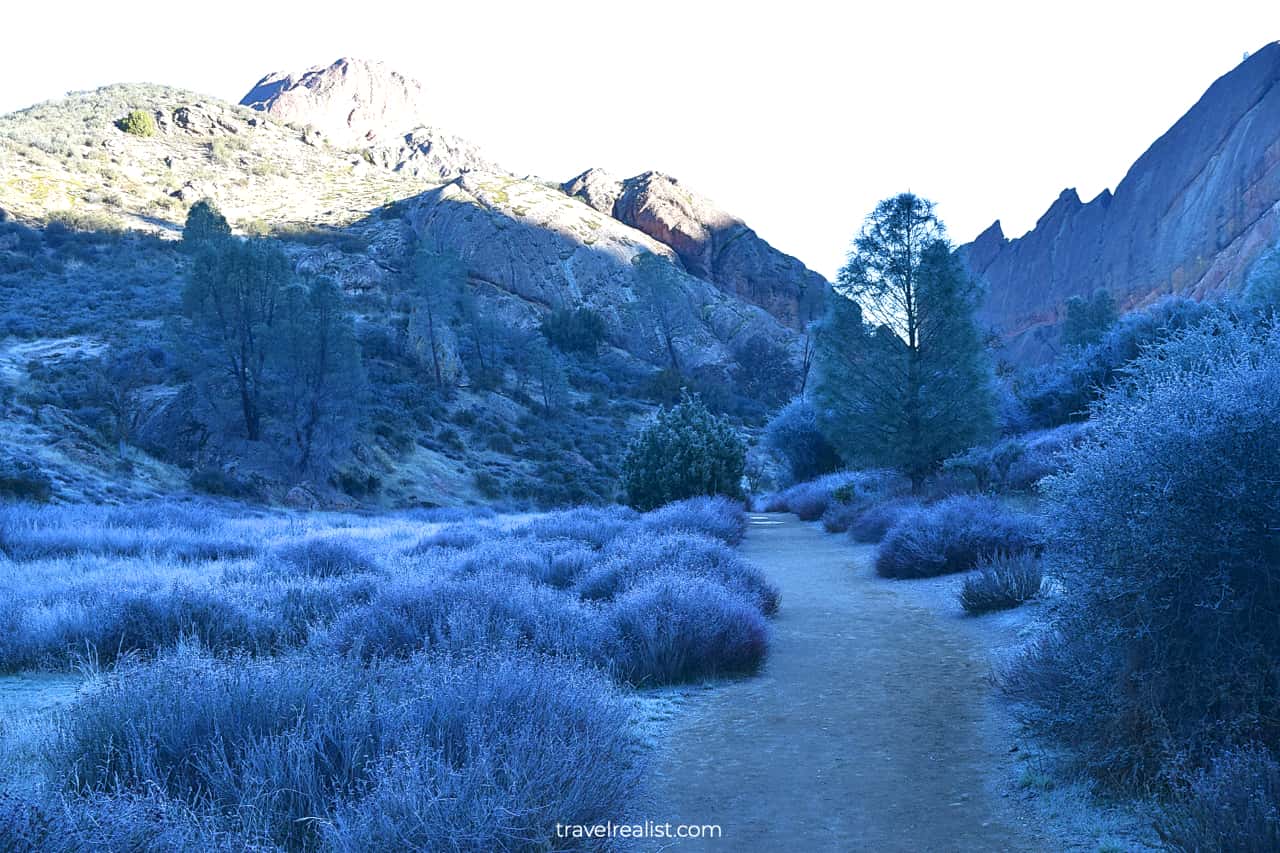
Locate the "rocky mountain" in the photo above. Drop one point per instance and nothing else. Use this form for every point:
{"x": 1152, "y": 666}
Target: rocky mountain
{"x": 356, "y": 104}
{"x": 339, "y": 167}
{"x": 366, "y": 105}
{"x": 1189, "y": 218}
{"x": 542, "y": 249}
{"x": 712, "y": 244}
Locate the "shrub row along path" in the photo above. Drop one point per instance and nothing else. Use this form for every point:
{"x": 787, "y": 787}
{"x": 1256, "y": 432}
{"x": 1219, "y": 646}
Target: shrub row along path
{"x": 868, "y": 728}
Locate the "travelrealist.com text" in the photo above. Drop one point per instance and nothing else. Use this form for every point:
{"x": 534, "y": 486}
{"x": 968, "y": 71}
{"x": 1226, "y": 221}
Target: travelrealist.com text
{"x": 647, "y": 829}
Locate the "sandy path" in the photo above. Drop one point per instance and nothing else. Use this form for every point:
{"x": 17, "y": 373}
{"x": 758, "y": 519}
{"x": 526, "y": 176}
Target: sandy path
{"x": 866, "y": 730}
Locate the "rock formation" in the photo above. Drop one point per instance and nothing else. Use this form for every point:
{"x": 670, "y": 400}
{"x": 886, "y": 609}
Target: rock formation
{"x": 524, "y": 240}
{"x": 712, "y": 244}
{"x": 1189, "y": 218}
{"x": 352, "y": 102}
{"x": 358, "y": 104}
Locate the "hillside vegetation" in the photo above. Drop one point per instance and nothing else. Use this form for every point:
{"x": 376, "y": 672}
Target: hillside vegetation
{"x": 97, "y": 394}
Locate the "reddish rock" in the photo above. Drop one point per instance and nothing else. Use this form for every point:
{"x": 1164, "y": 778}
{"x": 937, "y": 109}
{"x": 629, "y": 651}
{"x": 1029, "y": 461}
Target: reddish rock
{"x": 712, "y": 244}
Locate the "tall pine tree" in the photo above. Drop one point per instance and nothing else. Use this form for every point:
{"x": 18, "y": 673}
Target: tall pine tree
{"x": 901, "y": 376}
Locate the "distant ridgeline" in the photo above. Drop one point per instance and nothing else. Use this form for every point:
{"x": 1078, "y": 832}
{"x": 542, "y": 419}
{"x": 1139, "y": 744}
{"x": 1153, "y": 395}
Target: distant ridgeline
{"x": 1190, "y": 218}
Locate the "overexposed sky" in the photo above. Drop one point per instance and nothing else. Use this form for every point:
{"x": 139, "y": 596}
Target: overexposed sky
{"x": 797, "y": 116}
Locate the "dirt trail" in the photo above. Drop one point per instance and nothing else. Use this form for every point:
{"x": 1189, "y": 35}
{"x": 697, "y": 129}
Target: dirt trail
{"x": 868, "y": 728}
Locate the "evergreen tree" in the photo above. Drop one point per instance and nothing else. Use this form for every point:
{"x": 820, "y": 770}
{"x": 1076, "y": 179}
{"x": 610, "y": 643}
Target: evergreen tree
{"x": 662, "y": 305}
{"x": 1088, "y": 320}
{"x": 205, "y": 223}
{"x": 551, "y": 384}
{"x": 901, "y": 375}
{"x": 438, "y": 284}
{"x": 317, "y": 371}
{"x": 685, "y": 452}
{"x": 1262, "y": 284}
{"x": 231, "y": 297}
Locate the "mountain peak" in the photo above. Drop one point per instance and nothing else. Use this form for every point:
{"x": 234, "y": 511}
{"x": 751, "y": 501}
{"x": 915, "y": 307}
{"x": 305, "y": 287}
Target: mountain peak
{"x": 353, "y": 102}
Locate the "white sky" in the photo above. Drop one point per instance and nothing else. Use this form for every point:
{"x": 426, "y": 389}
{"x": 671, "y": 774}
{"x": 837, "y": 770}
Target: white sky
{"x": 797, "y": 116}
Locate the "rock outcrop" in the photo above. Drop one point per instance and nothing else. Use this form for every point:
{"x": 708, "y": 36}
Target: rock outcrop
{"x": 358, "y": 104}
{"x": 352, "y": 102}
{"x": 1189, "y": 218}
{"x": 541, "y": 249}
{"x": 712, "y": 244}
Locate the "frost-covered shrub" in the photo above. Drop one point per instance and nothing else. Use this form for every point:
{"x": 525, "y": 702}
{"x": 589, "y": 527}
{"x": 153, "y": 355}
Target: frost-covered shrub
{"x": 596, "y": 526}
{"x": 1063, "y": 390}
{"x": 29, "y": 532}
{"x": 323, "y": 557}
{"x": 839, "y": 516}
{"x": 863, "y": 491}
{"x": 810, "y": 500}
{"x": 104, "y": 823}
{"x": 1002, "y": 582}
{"x": 1163, "y": 529}
{"x": 954, "y": 535}
{"x": 304, "y": 752}
{"x": 1014, "y": 464}
{"x": 472, "y": 613}
{"x": 630, "y": 562}
{"x": 676, "y": 628}
{"x": 794, "y": 437}
{"x": 1234, "y": 805}
{"x": 871, "y": 525}
{"x": 716, "y": 517}
{"x": 684, "y": 452}
{"x": 149, "y": 622}
{"x": 459, "y": 535}
{"x": 23, "y": 480}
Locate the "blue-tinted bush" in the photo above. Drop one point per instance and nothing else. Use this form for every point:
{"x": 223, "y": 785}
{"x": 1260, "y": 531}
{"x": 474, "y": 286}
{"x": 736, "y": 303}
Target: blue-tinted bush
{"x": 1063, "y": 391}
{"x": 861, "y": 492}
{"x": 629, "y": 562}
{"x": 595, "y": 526}
{"x": 303, "y": 751}
{"x": 1163, "y": 530}
{"x": 324, "y": 557}
{"x": 810, "y": 500}
{"x": 871, "y": 525}
{"x": 954, "y": 535}
{"x": 1014, "y": 464}
{"x": 794, "y": 437}
{"x": 33, "y": 533}
{"x": 150, "y": 621}
{"x": 676, "y": 628}
{"x": 686, "y": 451}
{"x": 470, "y": 613}
{"x": 23, "y": 480}
{"x": 839, "y": 516}
{"x": 120, "y": 823}
{"x": 459, "y": 535}
{"x": 1002, "y": 582}
{"x": 1234, "y": 805}
{"x": 716, "y": 517}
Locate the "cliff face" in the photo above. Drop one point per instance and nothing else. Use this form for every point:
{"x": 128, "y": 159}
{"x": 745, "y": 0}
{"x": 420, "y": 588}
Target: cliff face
{"x": 711, "y": 243}
{"x": 537, "y": 249}
{"x": 357, "y": 104}
{"x": 1189, "y": 218}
